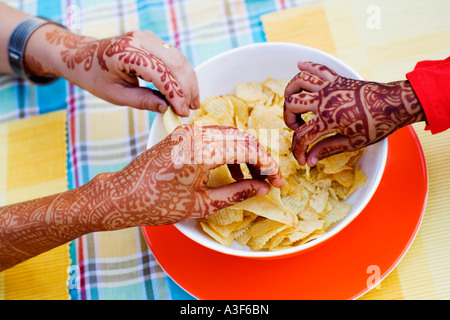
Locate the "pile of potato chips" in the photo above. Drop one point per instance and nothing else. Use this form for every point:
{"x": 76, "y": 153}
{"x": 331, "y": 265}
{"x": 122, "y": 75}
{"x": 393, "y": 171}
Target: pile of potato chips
{"x": 312, "y": 198}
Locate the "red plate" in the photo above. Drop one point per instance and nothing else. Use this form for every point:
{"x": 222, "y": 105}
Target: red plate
{"x": 341, "y": 268}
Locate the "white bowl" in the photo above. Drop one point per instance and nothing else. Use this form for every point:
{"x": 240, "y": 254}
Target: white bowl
{"x": 220, "y": 75}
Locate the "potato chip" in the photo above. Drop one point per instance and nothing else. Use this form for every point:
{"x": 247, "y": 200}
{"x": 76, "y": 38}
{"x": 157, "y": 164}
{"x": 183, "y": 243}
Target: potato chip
{"x": 262, "y": 226}
{"x": 339, "y": 190}
{"x": 260, "y": 119}
{"x": 240, "y": 125}
{"x": 250, "y": 91}
{"x": 316, "y": 234}
{"x": 311, "y": 199}
{"x": 285, "y": 144}
{"x": 218, "y": 105}
{"x": 307, "y": 116}
{"x": 269, "y": 206}
{"x": 226, "y": 241}
{"x": 257, "y": 243}
{"x": 242, "y": 237}
{"x": 290, "y": 186}
{"x": 358, "y": 181}
{"x": 226, "y": 216}
{"x": 309, "y": 226}
{"x": 355, "y": 156}
{"x": 209, "y": 119}
{"x": 276, "y": 240}
{"x": 309, "y": 214}
{"x": 241, "y": 109}
{"x": 290, "y": 167}
{"x": 344, "y": 177}
{"x": 224, "y": 230}
{"x": 319, "y": 200}
{"x": 220, "y": 176}
{"x": 171, "y": 120}
{"x": 297, "y": 204}
{"x": 336, "y": 163}
{"x": 226, "y": 119}
{"x": 261, "y": 231}
{"x": 336, "y": 211}
{"x": 294, "y": 237}
{"x": 269, "y": 100}
{"x": 277, "y": 86}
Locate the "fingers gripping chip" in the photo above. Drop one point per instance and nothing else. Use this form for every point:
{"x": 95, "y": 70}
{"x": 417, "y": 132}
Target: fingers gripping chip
{"x": 312, "y": 198}
{"x": 220, "y": 176}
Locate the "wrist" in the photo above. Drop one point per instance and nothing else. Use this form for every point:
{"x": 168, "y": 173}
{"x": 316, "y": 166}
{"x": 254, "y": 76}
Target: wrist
{"x": 411, "y": 109}
{"x": 412, "y": 103}
{"x": 100, "y": 211}
{"x": 42, "y": 59}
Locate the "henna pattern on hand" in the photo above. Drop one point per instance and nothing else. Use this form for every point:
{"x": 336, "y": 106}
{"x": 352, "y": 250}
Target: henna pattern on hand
{"x": 360, "y": 113}
{"x": 161, "y": 186}
{"x": 169, "y": 183}
{"x": 84, "y": 50}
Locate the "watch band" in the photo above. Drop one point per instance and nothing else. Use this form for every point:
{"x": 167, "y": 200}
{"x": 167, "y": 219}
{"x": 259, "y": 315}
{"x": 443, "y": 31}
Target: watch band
{"x": 16, "y": 47}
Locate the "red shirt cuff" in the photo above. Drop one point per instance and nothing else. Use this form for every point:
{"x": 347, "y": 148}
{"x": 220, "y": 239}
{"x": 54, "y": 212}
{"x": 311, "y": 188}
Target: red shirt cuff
{"x": 430, "y": 81}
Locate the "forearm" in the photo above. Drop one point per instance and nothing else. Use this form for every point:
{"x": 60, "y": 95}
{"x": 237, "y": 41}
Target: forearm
{"x": 30, "y": 228}
{"x": 9, "y": 19}
{"x": 41, "y": 57}
{"x": 392, "y": 105}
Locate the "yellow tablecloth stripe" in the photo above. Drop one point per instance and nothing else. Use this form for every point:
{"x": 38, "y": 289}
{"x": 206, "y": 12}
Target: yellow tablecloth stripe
{"x": 33, "y": 164}
{"x": 383, "y": 40}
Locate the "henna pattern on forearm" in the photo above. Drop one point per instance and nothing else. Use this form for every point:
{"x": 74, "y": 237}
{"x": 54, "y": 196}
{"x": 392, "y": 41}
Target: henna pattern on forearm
{"x": 34, "y": 67}
{"x": 361, "y": 112}
{"x": 35, "y": 226}
{"x": 83, "y": 50}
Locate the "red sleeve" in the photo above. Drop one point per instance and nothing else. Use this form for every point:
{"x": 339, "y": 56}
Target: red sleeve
{"x": 430, "y": 81}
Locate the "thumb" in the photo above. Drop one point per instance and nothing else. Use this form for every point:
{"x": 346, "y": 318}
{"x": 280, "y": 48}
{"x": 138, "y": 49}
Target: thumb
{"x": 227, "y": 195}
{"x": 328, "y": 147}
{"x": 140, "y": 98}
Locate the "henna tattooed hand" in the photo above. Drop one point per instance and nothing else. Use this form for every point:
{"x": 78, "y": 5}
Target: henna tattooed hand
{"x": 110, "y": 68}
{"x": 358, "y": 113}
{"x": 168, "y": 183}
{"x": 164, "y": 185}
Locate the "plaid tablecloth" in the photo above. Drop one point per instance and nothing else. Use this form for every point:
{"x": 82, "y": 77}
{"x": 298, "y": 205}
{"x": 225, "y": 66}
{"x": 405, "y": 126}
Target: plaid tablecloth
{"x": 102, "y": 137}
{"x": 32, "y": 165}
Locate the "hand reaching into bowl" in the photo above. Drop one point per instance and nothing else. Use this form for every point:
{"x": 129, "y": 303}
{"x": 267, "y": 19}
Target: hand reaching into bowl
{"x": 168, "y": 183}
{"x": 354, "y": 113}
{"x": 109, "y": 68}
{"x": 164, "y": 185}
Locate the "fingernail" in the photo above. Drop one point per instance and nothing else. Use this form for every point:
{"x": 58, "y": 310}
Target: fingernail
{"x": 186, "y": 111}
{"x": 313, "y": 161}
{"x": 262, "y": 191}
{"x": 197, "y": 103}
{"x": 162, "y": 108}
